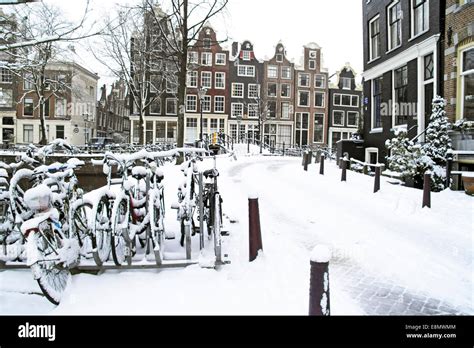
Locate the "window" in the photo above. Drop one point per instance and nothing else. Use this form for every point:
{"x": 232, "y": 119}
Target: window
{"x": 286, "y": 72}
{"x": 303, "y": 80}
{"x": 303, "y": 98}
{"x": 192, "y": 79}
{"x": 401, "y": 94}
{"x": 237, "y": 110}
{"x": 253, "y": 110}
{"x": 338, "y": 118}
{"x": 467, "y": 84}
{"x": 346, "y": 83}
{"x": 46, "y": 108}
{"x": 155, "y": 107}
{"x": 272, "y": 72}
{"x": 191, "y": 122}
{"x": 355, "y": 101}
{"x": 220, "y": 80}
{"x": 6, "y": 75}
{"x": 28, "y": 82}
{"x": 160, "y": 131}
{"x": 420, "y": 17}
{"x": 237, "y": 90}
{"x": 28, "y": 107}
{"x": 272, "y": 105}
{"x": 246, "y": 70}
{"x": 221, "y": 58}
{"x": 394, "y": 25}
{"x": 191, "y": 103}
{"x": 318, "y": 136}
{"x": 61, "y": 107}
{"x": 246, "y": 55}
{"x": 171, "y": 85}
{"x": 346, "y": 100}
{"x": 272, "y": 90}
{"x": 320, "y": 81}
{"x": 312, "y": 64}
{"x": 28, "y": 133}
{"x": 253, "y": 91}
{"x": 206, "y": 103}
{"x": 285, "y": 110}
{"x": 214, "y": 125}
{"x": 6, "y": 98}
{"x": 352, "y": 118}
{"x": 207, "y": 44}
{"x": 171, "y": 106}
{"x": 319, "y": 100}
{"x": 206, "y": 58}
{"x": 302, "y": 126}
{"x": 193, "y": 58}
{"x": 429, "y": 67}
{"x": 206, "y": 79}
{"x": 377, "y": 103}
{"x": 285, "y": 90}
{"x": 59, "y": 132}
{"x": 219, "y": 104}
{"x": 374, "y": 43}
{"x": 279, "y": 58}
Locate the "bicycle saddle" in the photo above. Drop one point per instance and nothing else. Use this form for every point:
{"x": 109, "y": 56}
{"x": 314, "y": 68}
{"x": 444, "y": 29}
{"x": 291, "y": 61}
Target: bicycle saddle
{"x": 211, "y": 173}
{"x": 139, "y": 172}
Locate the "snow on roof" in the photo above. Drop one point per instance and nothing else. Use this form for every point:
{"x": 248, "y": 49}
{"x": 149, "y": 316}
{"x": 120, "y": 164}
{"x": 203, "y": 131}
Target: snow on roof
{"x": 313, "y": 46}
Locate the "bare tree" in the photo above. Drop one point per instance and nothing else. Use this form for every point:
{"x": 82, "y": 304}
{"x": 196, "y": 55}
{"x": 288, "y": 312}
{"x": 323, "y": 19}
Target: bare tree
{"x": 42, "y": 27}
{"x": 134, "y": 53}
{"x": 187, "y": 18}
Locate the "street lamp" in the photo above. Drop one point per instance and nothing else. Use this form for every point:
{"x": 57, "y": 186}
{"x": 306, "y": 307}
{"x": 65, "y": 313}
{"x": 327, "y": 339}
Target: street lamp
{"x": 201, "y": 93}
{"x": 86, "y": 129}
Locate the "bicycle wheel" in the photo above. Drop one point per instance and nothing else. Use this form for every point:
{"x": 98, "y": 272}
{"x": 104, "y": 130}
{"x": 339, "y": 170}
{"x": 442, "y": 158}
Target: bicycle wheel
{"x": 217, "y": 227}
{"x": 120, "y": 222}
{"x": 102, "y": 230}
{"x": 80, "y": 227}
{"x": 52, "y": 278}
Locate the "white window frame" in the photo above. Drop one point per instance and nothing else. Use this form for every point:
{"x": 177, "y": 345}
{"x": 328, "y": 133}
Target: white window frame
{"x": 412, "y": 17}
{"x": 356, "y": 118}
{"x": 253, "y": 88}
{"x": 289, "y": 109}
{"x": 233, "y": 109}
{"x": 462, "y": 75}
{"x": 246, "y": 55}
{"x": 175, "y": 108}
{"x": 254, "y": 108}
{"x": 248, "y": 70}
{"x": 346, "y": 79}
{"x": 299, "y": 80}
{"x": 216, "y": 103}
{"x": 324, "y": 127}
{"x": 312, "y": 61}
{"x": 276, "y": 90}
{"x": 219, "y": 76}
{"x": 206, "y": 75}
{"x": 324, "y": 81}
{"x": 24, "y": 105}
{"x": 343, "y": 118}
{"x": 208, "y": 61}
{"x": 279, "y": 55}
{"x": 389, "y": 32}
{"x": 273, "y": 68}
{"x": 237, "y": 87}
{"x": 283, "y": 77}
{"x": 208, "y": 101}
{"x": 346, "y": 95}
{"x": 289, "y": 95}
{"x": 193, "y": 57}
{"x": 371, "y": 49}
{"x": 299, "y": 99}
{"x": 189, "y": 97}
{"x": 221, "y": 58}
{"x": 191, "y": 75}
{"x": 324, "y": 100}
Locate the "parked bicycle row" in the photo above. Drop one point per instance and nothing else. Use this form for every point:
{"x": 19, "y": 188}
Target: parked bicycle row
{"x": 48, "y": 222}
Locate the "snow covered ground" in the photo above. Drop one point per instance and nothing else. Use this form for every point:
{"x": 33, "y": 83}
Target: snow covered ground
{"x": 382, "y": 241}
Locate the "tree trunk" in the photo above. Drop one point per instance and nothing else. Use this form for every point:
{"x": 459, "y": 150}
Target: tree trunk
{"x": 43, "y": 139}
{"x": 141, "y": 129}
{"x": 182, "y": 80}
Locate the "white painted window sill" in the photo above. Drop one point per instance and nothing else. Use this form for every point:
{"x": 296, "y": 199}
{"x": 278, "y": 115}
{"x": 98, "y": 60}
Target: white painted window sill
{"x": 376, "y": 131}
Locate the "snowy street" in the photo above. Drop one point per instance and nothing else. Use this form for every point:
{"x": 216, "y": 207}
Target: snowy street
{"x": 390, "y": 256}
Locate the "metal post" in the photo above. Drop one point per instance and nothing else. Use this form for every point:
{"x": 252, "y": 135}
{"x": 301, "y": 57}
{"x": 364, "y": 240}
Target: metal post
{"x": 283, "y": 149}
{"x": 255, "y": 233}
{"x": 427, "y": 189}
{"x": 201, "y": 212}
{"x": 377, "y": 179}
{"x": 449, "y": 169}
{"x": 310, "y": 157}
{"x": 248, "y": 145}
{"x": 319, "y": 304}
{"x": 305, "y": 161}
{"x": 321, "y": 166}
{"x": 344, "y": 169}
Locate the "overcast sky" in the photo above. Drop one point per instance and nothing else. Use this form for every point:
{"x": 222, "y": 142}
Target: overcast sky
{"x": 335, "y": 25}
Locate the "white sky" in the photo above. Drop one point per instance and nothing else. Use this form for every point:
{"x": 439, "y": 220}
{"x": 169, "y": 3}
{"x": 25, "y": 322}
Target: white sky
{"x": 335, "y": 25}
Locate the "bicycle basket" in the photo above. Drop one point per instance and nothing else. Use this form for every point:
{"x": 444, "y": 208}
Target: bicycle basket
{"x": 38, "y": 198}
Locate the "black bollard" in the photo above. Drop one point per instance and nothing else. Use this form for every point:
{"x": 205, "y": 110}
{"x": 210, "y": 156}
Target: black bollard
{"x": 449, "y": 169}
{"x": 427, "y": 189}
{"x": 344, "y": 169}
{"x": 319, "y": 304}
{"x": 255, "y": 233}
{"x": 377, "y": 179}
{"x": 321, "y": 166}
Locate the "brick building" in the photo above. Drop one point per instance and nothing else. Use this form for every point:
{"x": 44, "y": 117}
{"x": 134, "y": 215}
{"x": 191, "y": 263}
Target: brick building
{"x": 311, "y": 99}
{"x": 459, "y": 60}
{"x": 206, "y": 87}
